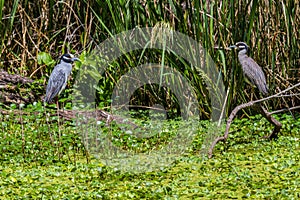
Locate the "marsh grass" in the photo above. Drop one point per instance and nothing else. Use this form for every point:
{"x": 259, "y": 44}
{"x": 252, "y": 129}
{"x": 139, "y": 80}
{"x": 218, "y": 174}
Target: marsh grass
{"x": 269, "y": 28}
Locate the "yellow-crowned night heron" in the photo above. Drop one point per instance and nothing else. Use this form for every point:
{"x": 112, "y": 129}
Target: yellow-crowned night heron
{"x": 251, "y": 69}
{"x": 59, "y": 76}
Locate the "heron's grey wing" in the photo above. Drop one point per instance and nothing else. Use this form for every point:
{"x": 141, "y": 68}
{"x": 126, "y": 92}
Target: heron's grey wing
{"x": 56, "y": 83}
{"x": 255, "y": 74}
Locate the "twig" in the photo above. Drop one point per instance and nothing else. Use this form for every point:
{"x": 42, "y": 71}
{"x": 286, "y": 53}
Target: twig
{"x": 285, "y": 109}
{"x": 223, "y": 108}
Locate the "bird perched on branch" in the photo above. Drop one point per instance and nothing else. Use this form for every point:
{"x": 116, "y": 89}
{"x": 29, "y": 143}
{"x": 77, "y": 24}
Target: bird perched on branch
{"x": 59, "y": 77}
{"x": 251, "y": 69}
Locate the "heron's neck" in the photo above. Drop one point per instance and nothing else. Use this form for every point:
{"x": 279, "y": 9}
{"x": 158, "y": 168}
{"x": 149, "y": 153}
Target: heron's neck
{"x": 242, "y": 55}
{"x": 243, "y": 52}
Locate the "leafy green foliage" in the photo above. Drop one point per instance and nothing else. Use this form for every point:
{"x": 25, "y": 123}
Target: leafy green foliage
{"x": 45, "y": 58}
{"x": 33, "y": 166}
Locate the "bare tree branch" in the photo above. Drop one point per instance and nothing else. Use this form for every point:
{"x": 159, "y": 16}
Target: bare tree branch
{"x": 266, "y": 114}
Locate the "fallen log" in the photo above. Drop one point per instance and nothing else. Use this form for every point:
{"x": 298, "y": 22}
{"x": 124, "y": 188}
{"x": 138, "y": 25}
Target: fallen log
{"x": 18, "y": 90}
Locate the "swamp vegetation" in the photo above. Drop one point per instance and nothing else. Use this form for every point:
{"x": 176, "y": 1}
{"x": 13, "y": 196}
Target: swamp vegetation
{"x": 44, "y": 156}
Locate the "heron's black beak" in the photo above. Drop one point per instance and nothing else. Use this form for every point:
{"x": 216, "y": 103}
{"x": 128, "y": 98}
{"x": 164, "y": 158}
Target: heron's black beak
{"x": 76, "y": 59}
{"x": 232, "y": 47}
